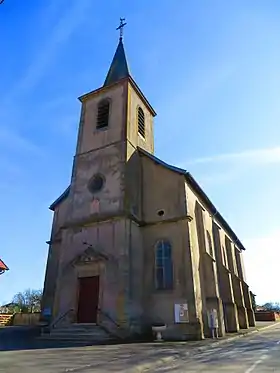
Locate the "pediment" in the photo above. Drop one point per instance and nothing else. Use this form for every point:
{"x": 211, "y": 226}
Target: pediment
{"x": 90, "y": 255}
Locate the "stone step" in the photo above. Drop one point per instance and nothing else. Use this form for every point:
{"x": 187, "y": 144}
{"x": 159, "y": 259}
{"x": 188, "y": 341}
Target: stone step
{"x": 84, "y": 325}
{"x": 72, "y": 332}
{"x": 68, "y": 332}
{"x": 77, "y": 337}
{"x": 80, "y": 330}
{"x": 77, "y": 328}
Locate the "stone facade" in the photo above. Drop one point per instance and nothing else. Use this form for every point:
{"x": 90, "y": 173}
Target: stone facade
{"x": 113, "y": 234}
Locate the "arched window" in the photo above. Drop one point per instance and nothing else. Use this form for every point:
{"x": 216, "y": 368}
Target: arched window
{"x": 225, "y": 259}
{"x": 141, "y": 122}
{"x": 103, "y": 114}
{"x": 209, "y": 243}
{"x": 163, "y": 265}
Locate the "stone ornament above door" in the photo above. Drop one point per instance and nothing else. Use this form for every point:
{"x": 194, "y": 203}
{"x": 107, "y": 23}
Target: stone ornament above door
{"x": 90, "y": 255}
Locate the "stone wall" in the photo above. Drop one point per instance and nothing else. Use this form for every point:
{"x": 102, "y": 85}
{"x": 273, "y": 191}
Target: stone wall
{"x": 267, "y": 316}
{"x": 26, "y": 319}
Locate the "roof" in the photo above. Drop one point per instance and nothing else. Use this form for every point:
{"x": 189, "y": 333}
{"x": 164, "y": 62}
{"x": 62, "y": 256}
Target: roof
{"x": 60, "y": 199}
{"x": 119, "y": 67}
{"x": 3, "y": 266}
{"x": 196, "y": 187}
{"x": 141, "y": 94}
{"x": 161, "y": 162}
{"x": 9, "y": 304}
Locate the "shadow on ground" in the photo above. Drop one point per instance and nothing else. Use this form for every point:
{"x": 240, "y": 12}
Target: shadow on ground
{"x": 27, "y": 338}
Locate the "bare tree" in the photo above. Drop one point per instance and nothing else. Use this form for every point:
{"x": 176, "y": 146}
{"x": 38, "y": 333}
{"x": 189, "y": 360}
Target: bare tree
{"x": 28, "y": 300}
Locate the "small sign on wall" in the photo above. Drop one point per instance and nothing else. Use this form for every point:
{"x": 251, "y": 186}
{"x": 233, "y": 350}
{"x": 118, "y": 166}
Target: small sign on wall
{"x": 181, "y": 313}
{"x": 47, "y": 311}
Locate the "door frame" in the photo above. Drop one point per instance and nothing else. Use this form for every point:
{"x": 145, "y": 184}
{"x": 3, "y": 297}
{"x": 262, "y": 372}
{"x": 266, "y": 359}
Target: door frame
{"x": 78, "y": 299}
{"x": 90, "y": 270}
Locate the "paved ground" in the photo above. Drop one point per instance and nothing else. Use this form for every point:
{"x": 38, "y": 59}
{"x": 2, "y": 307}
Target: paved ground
{"x": 257, "y": 353}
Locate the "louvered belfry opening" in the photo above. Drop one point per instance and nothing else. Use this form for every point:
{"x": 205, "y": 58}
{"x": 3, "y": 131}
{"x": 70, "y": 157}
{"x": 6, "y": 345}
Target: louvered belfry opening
{"x": 103, "y": 114}
{"x": 141, "y": 122}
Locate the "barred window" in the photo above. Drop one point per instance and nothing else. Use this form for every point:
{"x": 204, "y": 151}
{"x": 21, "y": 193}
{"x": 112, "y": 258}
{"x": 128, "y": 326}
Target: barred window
{"x": 103, "y": 114}
{"x": 163, "y": 266}
{"x": 141, "y": 122}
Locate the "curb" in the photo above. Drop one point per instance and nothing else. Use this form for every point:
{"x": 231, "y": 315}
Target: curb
{"x": 171, "y": 359}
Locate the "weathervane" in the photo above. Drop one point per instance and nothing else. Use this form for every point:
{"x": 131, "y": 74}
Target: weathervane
{"x": 121, "y": 26}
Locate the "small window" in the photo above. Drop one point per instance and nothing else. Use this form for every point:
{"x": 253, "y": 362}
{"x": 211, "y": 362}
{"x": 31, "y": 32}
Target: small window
{"x": 160, "y": 213}
{"x": 163, "y": 266}
{"x": 103, "y": 114}
{"x": 141, "y": 122}
{"x": 209, "y": 243}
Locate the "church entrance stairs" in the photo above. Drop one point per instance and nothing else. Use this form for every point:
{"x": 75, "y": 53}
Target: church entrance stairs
{"x": 80, "y": 332}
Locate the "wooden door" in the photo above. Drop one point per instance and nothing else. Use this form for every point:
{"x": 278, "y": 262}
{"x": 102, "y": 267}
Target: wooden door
{"x": 88, "y": 299}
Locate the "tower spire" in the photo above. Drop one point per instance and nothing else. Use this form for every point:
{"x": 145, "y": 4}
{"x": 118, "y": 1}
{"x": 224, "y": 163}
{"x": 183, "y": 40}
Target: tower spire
{"x": 119, "y": 67}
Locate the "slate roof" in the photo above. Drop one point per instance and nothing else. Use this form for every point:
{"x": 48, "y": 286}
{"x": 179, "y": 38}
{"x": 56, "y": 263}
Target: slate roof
{"x": 60, "y": 198}
{"x": 119, "y": 66}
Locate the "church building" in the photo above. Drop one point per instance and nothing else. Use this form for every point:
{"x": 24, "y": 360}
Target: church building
{"x": 136, "y": 242}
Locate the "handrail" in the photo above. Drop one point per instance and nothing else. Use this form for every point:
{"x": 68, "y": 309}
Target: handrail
{"x": 118, "y": 326}
{"x": 109, "y": 318}
{"x": 60, "y": 318}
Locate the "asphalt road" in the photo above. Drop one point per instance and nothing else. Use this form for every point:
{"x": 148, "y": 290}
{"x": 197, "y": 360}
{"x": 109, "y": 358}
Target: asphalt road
{"x": 255, "y": 353}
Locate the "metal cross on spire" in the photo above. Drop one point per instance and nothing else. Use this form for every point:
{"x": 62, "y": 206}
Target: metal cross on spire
{"x": 121, "y": 26}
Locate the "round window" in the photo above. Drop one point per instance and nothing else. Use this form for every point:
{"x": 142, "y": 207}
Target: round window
{"x": 96, "y": 183}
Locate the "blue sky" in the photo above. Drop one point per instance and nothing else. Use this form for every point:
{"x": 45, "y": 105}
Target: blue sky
{"x": 211, "y": 69}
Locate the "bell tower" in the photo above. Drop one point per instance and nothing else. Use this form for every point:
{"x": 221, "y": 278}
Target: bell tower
{"x": 115, "y": 119}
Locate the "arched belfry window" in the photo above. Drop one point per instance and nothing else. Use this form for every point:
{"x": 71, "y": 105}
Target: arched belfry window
{"x": 224, "y": 254}
{"x": 103, "y": 114}
{"x": 209, "y": 244}
{"x": 163, "y": 265}
{"x": 141, "y": 121}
